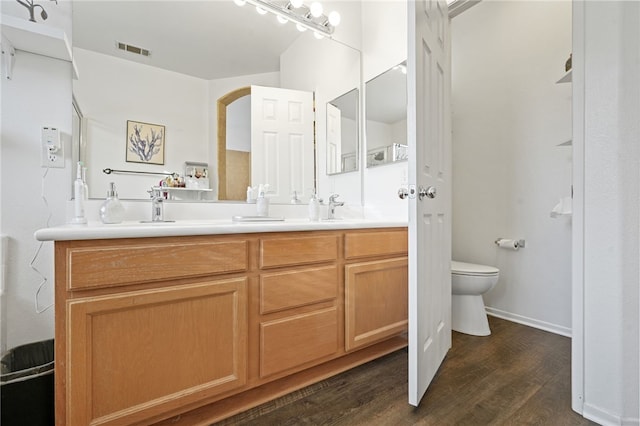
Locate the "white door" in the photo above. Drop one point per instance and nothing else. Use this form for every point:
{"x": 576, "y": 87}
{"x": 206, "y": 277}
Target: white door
{"x": 334, "y": 139}
{"x": 282, "y": 141}
{"x": 429, "y": 131}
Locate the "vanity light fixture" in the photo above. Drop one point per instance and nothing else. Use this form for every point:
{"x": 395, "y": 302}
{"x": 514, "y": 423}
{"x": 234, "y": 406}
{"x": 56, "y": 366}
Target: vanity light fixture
{"x": 305, "y": 17}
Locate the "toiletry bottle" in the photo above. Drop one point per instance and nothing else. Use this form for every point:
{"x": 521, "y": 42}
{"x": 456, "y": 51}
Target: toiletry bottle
{"x": 250, "y": 198}
{"x": 262, "y": 202}
{"x": 112, "y": 210}
{"x": 78, "y": 198}
{"x": 314, "y": 208}
{"x": 84, "y": 182}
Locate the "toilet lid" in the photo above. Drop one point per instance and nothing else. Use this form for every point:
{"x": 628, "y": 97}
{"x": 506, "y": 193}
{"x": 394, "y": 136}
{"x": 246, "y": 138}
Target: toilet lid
{"x": 463, "y": 268}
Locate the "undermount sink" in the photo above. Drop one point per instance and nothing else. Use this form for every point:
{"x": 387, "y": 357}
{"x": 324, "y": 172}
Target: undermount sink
{"x": 257, "y": 218}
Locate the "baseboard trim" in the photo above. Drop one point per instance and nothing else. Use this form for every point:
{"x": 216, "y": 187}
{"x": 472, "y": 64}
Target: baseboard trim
{"x": 602, "y": 417}
{"x": 542, "y": 325}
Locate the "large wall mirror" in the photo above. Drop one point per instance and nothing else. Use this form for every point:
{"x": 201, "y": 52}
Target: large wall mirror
{"x": 386, "y": 116}
{"x": 163, "y": 66}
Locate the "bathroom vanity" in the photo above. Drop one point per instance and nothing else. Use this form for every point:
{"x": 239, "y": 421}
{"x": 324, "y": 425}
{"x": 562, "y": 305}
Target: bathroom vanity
{"x": 192, "y": 327}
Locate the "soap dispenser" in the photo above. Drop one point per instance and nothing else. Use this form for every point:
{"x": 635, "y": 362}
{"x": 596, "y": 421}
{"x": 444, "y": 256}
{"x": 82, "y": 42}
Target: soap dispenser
{"x": 78, "y": 198}
{"x": 314, "y": 208}
{"x": 262, "y": 202}
{"x": 112, "y": 210}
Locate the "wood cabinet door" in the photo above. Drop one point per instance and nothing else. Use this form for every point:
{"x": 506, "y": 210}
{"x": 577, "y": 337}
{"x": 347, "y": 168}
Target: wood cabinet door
{"x": 135, "y": 355}
{"x": 375, "y": 301}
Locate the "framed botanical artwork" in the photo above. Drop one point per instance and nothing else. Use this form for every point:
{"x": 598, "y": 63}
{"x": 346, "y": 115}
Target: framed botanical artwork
{"x": 145, "y": 142}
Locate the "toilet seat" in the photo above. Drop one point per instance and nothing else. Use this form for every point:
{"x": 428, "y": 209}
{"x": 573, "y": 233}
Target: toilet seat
{"x": 472, "y": 269}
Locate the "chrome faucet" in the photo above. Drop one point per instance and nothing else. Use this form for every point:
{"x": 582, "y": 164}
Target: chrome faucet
{"x": 332, "y": 206}
{"x": 157, "y": 203}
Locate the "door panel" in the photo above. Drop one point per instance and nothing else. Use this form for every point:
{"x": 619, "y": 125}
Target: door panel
{"x": 428, "y": 84}
{"x": 282, "y": 141}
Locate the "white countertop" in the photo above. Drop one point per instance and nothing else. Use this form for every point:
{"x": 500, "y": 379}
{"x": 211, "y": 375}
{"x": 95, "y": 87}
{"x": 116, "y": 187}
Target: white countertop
{"x": 98, "y": 230}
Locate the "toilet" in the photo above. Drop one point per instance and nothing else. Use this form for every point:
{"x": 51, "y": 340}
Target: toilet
{"x": 468, "y": 283}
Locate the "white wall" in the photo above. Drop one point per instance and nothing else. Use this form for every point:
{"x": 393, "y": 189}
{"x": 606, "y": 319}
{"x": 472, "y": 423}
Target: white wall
{"x": 330, "y": 69}
{"x": 239, "y": 125}
{"x": 111, "y": 91}
{"x": 508, "y": 172}
{"x": 381, "y": 134}
{"x": 38, "y": 95}
{"x": 608, "y": 262}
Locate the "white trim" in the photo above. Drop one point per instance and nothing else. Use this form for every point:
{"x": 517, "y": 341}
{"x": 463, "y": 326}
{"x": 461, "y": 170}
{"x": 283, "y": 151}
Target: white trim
{"x": 602, "y": 417}
{"x": 531, "y": 322}
{"x": 577, "y": 220}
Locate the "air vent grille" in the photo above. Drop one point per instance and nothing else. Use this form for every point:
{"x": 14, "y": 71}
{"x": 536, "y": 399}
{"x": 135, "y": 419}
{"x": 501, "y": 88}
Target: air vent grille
{"x": 133, "y": 49}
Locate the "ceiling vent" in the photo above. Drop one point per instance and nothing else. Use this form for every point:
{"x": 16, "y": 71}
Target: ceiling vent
{"x": 132, "y": 49}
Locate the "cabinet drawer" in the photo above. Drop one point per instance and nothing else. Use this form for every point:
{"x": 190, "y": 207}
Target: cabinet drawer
{"x": 284, "y": 290}
{"x": 377, "y": 243}
{"x": 276, "y": 252}
{"x": 294, "y": 341}
{"x": 115, "y": 265}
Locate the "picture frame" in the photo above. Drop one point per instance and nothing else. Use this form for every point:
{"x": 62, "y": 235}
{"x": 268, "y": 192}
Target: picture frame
{"x": 145, "y": 142}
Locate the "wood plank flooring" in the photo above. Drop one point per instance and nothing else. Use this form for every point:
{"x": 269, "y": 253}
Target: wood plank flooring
{"x": 517, "y": 376}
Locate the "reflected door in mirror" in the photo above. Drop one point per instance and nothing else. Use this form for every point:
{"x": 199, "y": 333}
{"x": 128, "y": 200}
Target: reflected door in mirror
{"x": 342, "y": 133}
{"x": 282, "y": 148}
{"x": 334, "y": 139}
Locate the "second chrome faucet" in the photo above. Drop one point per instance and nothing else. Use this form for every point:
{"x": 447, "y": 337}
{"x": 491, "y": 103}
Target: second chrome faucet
{"x": 333, "y": 203}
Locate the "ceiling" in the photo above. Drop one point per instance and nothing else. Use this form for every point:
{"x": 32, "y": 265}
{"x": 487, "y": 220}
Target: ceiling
{"x": 206, "y": 39}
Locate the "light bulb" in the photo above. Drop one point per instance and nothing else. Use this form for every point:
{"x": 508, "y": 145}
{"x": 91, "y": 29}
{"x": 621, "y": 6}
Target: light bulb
{"x": 301, "y": 28}
{"x": 334, "y": 18}
{"x": 260, "y": 10}
{"x": 318, "y": 35}
{"x": 296, "y": 3}
{"x": 282, "y": 19}
{"x": 316, "y": 9}
{"x": 240, "y": 2}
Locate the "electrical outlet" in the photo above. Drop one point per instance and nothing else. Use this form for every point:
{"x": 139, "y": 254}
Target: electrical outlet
{"x": 52, "y": 152}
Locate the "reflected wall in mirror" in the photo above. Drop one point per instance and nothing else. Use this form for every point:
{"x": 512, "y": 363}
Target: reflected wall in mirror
{"x": 190, "y": 66}
{"x": 386, "y": 116}
{"x": 342, "y": 133}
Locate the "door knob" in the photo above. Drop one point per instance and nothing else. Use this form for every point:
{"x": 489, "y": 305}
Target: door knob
{"x": 429, "y": 192}
{"x": 403, "y": 193}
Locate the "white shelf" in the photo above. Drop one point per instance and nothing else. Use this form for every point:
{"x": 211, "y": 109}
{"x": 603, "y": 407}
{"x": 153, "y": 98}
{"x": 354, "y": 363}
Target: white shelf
{"x": 565, "y": 78}
{"x": 33, "y": 37}
{"x": 180, "y": 188}
{"x": 36, "y": 38}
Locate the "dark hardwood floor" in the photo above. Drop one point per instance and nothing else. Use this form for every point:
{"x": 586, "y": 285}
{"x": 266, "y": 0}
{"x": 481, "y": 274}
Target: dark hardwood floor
{"x": 517, "y": 376}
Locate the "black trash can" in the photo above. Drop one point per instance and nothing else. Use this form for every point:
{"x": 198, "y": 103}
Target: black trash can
{"x": 26, "y": 385}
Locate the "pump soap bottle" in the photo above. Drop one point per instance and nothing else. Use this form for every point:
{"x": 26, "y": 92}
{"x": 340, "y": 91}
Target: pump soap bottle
{"x": 262, "y": 202}
{"x": 314, "y": 208}
{"x": 112, "y": 210}
{"x": 78, "y": 198}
